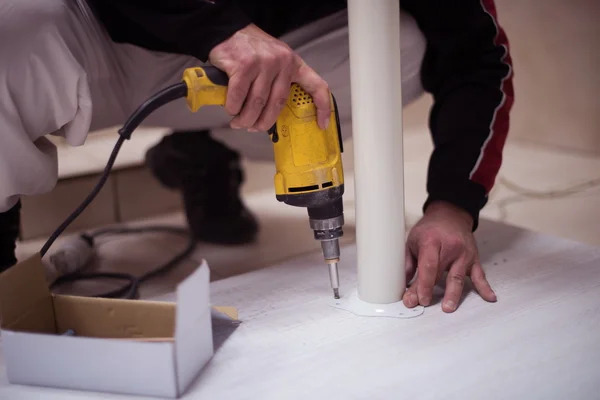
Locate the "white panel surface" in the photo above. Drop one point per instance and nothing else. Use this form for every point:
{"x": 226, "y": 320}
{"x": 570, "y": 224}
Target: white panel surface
{"x": 539, "y": 341}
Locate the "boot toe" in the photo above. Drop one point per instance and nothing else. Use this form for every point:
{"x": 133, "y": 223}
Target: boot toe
{"x": 227, "y": 230}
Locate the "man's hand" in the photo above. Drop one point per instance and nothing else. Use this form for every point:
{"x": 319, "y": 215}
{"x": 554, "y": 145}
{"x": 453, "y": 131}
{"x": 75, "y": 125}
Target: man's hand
{"x": 261, "y": 69}
{"x": 443, "y": 240}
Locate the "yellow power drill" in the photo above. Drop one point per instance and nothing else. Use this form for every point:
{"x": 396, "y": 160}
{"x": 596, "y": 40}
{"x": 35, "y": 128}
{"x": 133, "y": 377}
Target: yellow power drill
{"x": 308, "y": 163}
{"x": 308, "y": 160}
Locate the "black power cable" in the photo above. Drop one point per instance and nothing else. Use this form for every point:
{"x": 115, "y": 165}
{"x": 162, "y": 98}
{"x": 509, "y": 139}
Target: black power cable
{"x": 129, "y": 290}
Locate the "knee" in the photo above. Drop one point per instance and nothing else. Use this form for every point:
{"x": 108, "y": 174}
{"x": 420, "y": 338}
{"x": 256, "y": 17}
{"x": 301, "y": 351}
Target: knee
{"x": 413, "y": 45}
{"x": 38, "y": 54}
{"x": 413, "y": 40}
{"x": 33, "y": 11}
{"x": 20, "y": 19}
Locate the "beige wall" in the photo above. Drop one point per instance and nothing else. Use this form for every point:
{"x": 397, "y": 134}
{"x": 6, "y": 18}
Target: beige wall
{"x": 556, "y": 53}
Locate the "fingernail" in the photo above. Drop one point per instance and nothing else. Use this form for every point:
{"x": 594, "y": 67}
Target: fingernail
{"x": 407, "y": 299}
{"x": 326, "y": 123}
{"x": 425, "y": 301}
{"x": 450, "y": 305}
{"x": 413, "y": 299}
{"x": 252, "y": 130}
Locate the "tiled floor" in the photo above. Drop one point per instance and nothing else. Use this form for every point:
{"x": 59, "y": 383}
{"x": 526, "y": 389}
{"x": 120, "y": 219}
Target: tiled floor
{"x": 548, "y": 190}
{"x": 541, "y": 189}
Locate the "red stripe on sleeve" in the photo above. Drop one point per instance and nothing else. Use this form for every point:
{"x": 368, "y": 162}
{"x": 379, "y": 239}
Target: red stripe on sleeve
{"x": 490, "y": 157}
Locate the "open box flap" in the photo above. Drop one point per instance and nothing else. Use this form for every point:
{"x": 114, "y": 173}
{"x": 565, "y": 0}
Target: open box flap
{"x": 193, "y": 326}
{"x": 230, "y": 312}
{"x": 193, "y": 299}
{"x": 25, "y": 300}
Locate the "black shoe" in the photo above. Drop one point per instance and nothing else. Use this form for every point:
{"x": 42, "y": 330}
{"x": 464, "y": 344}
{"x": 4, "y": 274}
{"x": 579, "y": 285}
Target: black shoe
{"x": 209, "y": 176}
{"x": 10, "y": 222}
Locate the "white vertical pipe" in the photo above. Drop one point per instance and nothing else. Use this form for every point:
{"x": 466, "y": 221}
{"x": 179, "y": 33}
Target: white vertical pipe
{"x": 376, "y": 84}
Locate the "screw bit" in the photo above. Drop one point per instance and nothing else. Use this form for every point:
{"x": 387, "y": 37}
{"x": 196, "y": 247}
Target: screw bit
{"x": 334, "y": 278}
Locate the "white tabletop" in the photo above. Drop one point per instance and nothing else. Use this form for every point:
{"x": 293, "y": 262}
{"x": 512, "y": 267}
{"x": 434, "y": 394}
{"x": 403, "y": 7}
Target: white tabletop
{"x": 541, "y": 340}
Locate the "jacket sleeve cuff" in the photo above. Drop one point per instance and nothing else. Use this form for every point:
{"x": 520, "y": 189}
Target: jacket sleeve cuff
{"x": 224, "y": 19}
{"x": 468, "y": 196}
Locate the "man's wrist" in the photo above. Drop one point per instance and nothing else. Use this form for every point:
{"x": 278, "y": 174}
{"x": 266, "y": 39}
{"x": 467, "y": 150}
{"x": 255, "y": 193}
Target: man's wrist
{"x": 444, "y": 208}
{"x": 465, "y": 196}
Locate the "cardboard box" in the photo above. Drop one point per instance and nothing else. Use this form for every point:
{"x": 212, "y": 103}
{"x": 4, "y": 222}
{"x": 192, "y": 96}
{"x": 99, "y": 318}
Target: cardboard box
{"x": 120, "y": 346}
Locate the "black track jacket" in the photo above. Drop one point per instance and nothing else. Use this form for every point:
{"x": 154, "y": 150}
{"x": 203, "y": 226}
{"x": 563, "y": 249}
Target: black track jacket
{"x": 467, "y": 68}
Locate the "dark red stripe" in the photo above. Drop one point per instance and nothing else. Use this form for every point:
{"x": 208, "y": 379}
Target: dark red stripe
{"x": 490, "y": 162}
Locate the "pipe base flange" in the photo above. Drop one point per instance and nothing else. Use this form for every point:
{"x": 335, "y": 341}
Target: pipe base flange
{"x": 356, "y": 306}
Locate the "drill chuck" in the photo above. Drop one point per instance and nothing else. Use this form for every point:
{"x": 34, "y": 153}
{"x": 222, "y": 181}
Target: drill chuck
{"x": 327, "y": 224}
{"x": 325, "y": 214}
{"x": 327, "y": 229}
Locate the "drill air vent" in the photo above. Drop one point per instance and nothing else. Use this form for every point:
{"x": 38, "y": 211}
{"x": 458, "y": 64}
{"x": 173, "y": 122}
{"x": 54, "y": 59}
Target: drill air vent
{"x": 300, "y": 97}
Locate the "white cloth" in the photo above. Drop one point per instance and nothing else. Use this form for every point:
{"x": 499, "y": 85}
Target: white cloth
{"x": 60, "y": 74}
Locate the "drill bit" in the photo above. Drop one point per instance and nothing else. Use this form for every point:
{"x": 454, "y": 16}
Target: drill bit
{"x": 328, "y": 231}
{"x": 334, "y": 278}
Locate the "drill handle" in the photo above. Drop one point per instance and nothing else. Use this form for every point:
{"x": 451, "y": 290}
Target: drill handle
{"x": 216, "y": 76}
{"x": 206, "y": 86}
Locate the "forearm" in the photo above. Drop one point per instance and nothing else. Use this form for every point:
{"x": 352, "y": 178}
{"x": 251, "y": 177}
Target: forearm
{"x": 469, "y": 129}
{"x": 191, "y": 27}
{"x": 468, "y": 70}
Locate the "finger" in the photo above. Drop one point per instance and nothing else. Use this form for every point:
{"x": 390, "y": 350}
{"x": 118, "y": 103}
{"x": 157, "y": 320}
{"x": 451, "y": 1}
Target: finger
{"x": 481, "y": 284}
{"x": 237, "y": 91}
{"x": 314, "y": 85}
{"x": 279, "y": 94}
{"x": 455, "y": 284}
{"x": 409, "y": 265}
{"x": 428, "y": 264}
{"x": 255, "y": 101}
{"x": 410, "y": 298}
